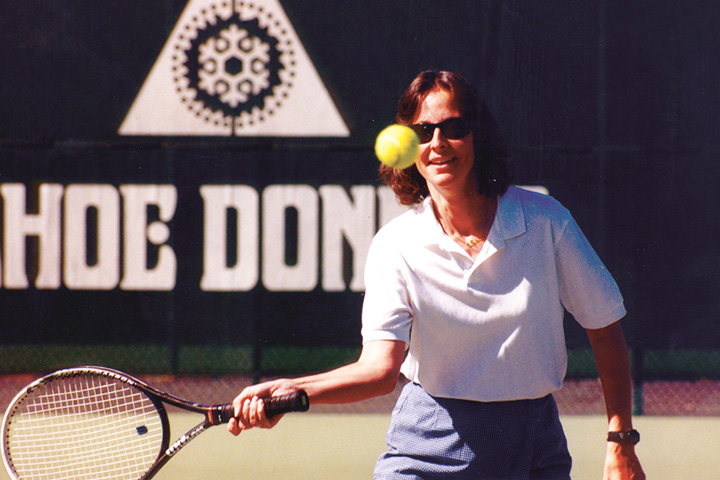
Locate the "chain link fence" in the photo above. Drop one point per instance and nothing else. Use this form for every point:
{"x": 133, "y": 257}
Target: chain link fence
{"x": 667, "y": 382}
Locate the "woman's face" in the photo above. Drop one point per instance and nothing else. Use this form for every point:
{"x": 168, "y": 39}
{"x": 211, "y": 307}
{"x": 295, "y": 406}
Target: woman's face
{"x": 446, "y": 164}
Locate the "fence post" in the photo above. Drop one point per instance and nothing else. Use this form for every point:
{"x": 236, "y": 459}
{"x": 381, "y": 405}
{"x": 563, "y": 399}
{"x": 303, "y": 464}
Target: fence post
{"x": 638, "y": 374}
{"x": 257, "y": 347}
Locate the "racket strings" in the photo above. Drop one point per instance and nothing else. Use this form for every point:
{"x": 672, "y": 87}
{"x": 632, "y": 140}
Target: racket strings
{"x": 85, "y": 427}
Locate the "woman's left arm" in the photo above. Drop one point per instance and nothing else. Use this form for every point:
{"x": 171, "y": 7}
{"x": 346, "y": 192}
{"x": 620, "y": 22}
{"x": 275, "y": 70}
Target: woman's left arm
{"x": 613, "y": 364}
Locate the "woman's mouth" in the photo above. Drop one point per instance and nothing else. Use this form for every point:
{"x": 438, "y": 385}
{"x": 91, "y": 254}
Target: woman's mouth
{"x": 440, "y": 161}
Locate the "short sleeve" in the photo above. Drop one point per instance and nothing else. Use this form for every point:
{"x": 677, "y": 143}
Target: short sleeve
{"x": 587, "y": 289}
{"x": 386, "y": 312}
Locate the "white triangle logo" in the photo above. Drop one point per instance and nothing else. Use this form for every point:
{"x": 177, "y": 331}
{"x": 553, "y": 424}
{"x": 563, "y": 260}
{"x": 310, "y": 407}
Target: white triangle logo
{"x": 233, "y": 68}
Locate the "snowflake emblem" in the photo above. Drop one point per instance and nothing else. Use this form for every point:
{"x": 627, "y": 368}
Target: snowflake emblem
{"x": 233, "y": 66}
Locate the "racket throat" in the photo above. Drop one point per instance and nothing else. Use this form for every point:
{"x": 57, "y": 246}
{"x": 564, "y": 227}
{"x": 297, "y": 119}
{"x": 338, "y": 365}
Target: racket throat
{"x": 219, "y": 414}
{"x": 185, "y": 439}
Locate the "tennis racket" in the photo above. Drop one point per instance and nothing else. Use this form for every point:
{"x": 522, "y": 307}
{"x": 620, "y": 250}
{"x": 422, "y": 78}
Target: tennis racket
{"x": 98, "y": 423}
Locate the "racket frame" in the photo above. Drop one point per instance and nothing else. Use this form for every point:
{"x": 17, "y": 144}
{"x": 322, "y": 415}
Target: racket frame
{"x": 214, "y": 414}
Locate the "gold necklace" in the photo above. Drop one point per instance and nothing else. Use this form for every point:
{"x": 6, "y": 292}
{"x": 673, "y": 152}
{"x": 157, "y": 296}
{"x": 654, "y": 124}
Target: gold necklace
{"x": 473, "y": 242}
{"x": 470, "y": 244}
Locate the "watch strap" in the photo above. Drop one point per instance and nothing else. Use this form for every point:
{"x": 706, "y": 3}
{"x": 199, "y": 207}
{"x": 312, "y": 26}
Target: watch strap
{"x": 628, "y": 437}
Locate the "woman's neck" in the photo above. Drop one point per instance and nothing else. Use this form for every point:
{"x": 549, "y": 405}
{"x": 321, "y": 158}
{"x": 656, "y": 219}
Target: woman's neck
{"x": 466, "y": 218}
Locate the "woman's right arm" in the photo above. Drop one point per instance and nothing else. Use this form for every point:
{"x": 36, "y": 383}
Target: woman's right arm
{"x": 375, "y": 373}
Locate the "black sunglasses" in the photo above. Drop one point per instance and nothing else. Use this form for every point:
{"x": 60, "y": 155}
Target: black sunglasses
{"x": 452, "y": 128}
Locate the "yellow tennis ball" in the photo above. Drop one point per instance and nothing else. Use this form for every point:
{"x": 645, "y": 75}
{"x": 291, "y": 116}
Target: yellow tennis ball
{"x": 397, "y": 146}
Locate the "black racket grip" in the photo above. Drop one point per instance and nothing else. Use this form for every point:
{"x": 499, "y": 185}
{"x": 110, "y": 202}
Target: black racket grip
{"x": 293, "y": 402}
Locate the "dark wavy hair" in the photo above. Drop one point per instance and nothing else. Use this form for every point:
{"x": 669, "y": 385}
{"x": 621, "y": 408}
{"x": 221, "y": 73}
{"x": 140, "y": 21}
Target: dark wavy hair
{"x": 491, "y": 170}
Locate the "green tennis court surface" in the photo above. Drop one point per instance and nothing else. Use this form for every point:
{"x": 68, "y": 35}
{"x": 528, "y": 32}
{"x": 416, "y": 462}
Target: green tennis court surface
{"x": 345, "y": 446}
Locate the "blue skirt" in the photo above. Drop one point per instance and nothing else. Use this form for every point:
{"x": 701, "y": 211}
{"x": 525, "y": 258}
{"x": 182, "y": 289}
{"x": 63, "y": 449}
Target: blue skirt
{"x": 439, "y": 438}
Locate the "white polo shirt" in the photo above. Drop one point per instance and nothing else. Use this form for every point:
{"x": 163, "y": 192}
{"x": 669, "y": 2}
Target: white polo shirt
{"x": 489, "y": 329}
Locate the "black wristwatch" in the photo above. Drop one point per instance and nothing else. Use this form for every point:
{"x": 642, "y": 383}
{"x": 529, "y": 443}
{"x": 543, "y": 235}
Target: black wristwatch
{"x": 630, "y": 437}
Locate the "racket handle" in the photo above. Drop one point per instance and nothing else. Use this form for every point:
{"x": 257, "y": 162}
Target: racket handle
{"x": 293, "y": 402}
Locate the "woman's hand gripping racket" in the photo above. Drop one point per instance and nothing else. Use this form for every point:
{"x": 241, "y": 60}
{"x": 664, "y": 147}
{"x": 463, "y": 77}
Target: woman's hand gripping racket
{"x": 94, "y": 422}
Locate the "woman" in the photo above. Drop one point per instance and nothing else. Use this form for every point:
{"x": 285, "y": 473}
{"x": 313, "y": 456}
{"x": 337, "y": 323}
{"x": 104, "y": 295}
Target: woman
{"x": 465, "y": 296}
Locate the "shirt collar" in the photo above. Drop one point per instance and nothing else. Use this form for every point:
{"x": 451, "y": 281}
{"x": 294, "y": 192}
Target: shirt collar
{"x": 510, "y": 216}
